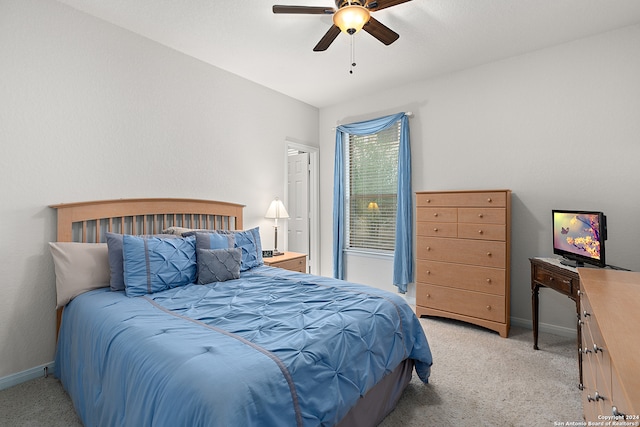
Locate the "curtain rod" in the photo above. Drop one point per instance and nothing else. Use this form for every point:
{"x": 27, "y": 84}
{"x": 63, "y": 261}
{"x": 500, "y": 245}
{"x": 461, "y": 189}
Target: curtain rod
{"x": 407, "y": 113}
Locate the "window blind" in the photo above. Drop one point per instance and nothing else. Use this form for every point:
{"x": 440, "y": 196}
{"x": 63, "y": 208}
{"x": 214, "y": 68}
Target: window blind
{"x": 371, "y": 197}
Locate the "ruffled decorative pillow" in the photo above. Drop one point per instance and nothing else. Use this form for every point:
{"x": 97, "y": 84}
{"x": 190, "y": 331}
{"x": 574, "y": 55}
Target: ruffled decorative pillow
{"x": 154, "y": 264}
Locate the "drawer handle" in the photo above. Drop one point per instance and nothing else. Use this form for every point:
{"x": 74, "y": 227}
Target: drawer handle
{"x": 428, "y": 248}
{"x": 488, "y": 253}
{"x": 428, "y": 200}
{"x": 489, "y": 307}
{"x": 428, "y": 295}
{"x": 435, "y": 214}
{"x": 480, "y": 215}
{"x": 489, "y": 200}
{"x": 428, "y": 271}
{"x": 616, "y": 413}
{"x": 489, "y": 280}
{"x": 597, "y": 349}
{"x": 435, "y": 229}
{"x": 480, "y": 231}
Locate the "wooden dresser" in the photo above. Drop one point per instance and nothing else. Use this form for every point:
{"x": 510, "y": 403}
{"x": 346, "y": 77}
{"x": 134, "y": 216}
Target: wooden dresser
{"x": 610, "y": 322}
{"x": 289, "y": 261}
{"x": 463, "y": 245}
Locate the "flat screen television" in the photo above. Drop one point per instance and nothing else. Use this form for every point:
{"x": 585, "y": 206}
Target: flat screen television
{"x": 579, "y": 236}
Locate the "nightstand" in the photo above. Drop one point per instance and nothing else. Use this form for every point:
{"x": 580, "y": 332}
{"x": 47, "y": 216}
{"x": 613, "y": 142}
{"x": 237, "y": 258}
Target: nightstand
{"x": 289, "y": 261}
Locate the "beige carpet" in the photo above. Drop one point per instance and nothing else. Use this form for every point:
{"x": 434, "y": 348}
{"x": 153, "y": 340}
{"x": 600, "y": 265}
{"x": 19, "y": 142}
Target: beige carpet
{"x": 481, "y": 379}
{"x": 478, "y": 379}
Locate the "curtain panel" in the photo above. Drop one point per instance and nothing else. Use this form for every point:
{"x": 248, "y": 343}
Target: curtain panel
{"x": 403, "y": 253}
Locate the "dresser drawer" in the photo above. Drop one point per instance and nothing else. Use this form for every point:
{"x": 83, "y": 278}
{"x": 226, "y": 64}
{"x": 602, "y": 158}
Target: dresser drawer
{"x": 289, "y": 261}
{"x": 589, "y": 408}
{"x": 468, "y": 303}
{"x": 489, "y": 198}
{"x": 437, "y": 214}
{"x": 601, "y": 360}
{"x": 437, "y": 229}
{"x": 469, "y": 277}
{"x": 463, "y": 251}
{"x": 622, "y": 400}
{"x": 482, "y": 231}
{"x": 483, "y": 215}
{"x": 596, "y": 362}
{"x": 293, "y": 265}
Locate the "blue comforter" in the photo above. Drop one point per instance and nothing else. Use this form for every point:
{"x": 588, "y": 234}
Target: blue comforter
{"x": 272, "y": 348}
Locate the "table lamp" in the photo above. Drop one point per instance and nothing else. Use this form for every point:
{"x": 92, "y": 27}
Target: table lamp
{"x": 276, "y": 211}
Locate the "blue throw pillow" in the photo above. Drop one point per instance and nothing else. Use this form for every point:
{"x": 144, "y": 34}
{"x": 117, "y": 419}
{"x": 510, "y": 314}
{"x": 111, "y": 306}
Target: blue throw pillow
{"x": 154, "y": 264}
{"x": 213, "y": 240}
{"x": 249, "y": 242}
{"x": 116, "y": 262}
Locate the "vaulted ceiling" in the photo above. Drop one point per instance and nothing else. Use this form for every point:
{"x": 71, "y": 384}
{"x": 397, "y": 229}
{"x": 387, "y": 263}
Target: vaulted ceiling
{"x": 436, "y": 36}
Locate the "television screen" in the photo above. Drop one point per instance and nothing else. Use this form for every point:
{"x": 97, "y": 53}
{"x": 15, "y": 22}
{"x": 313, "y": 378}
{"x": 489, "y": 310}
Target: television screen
{"x": 579, "y": 236}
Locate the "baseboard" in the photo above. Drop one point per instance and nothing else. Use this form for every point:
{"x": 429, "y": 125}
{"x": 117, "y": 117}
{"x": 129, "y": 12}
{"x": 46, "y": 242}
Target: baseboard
{"x": 29, "y": 374}
{"x": 562, "y": 331}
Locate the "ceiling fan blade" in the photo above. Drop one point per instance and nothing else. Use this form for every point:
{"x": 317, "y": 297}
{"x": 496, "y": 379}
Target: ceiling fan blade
{"x": 380, "y": 31}
{"x": 383, "y": 4}
{"x": 327, "y": 39}
{"x": 306, "y": 10}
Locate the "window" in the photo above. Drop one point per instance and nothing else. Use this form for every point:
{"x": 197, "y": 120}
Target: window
{"x": 371, "y": 190}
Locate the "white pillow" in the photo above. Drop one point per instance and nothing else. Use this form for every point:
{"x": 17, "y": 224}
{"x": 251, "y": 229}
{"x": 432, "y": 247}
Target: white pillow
{"x": 80, "y": 267}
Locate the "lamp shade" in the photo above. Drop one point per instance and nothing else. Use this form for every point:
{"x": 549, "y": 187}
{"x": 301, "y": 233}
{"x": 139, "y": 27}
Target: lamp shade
{"x": 350, "y": 19}
{"x": 276, "y": 210}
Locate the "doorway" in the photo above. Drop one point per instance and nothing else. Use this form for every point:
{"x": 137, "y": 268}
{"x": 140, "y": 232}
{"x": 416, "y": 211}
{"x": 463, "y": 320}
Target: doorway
{"x": 302, "y": 192}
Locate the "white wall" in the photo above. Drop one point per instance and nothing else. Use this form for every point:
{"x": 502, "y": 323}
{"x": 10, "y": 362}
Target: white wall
{"x": 90, "y": 111}
{"x": 560, "y": 127}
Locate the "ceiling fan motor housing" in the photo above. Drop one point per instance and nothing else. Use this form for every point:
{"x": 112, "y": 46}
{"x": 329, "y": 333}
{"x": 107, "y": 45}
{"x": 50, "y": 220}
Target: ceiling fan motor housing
{"x": 342, "y": 3}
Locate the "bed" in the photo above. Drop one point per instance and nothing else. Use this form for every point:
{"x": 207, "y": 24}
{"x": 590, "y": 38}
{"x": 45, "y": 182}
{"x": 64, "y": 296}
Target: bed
{"x": 204, "y": 334}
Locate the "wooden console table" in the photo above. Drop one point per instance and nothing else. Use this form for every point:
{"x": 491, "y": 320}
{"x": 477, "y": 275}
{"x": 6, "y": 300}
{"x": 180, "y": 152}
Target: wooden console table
{"x": 549, "y": 273}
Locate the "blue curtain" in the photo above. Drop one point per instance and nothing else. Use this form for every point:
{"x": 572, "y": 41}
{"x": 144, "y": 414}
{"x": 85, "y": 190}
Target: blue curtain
{"x": 403, "y": 254}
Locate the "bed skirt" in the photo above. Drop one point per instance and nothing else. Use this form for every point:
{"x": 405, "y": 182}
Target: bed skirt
{"x": 374, "y": 406}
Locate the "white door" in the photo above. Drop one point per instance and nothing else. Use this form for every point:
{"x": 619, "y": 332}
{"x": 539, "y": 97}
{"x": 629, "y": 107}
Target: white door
{"x": 298, "y": 191}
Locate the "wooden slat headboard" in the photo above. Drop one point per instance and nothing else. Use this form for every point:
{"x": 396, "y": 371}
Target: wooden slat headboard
{"x": 88, "y": 221}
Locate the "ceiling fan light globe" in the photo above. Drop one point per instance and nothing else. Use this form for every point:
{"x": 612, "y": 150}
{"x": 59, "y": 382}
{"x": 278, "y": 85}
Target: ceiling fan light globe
{"x": 350, "y": 19}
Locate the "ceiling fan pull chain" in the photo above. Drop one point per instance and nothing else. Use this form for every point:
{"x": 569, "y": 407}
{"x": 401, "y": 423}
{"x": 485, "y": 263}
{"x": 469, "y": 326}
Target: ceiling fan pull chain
{"x": 353, "y": 53}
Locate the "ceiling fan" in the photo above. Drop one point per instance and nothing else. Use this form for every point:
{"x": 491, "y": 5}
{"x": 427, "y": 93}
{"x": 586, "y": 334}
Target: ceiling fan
{"x": 350, "y": 17}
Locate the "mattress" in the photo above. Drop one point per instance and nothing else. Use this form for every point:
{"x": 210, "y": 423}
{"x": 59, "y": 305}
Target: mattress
{"x": 272, "y": 348}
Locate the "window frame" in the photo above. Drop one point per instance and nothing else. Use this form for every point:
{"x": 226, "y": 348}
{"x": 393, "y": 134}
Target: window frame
{"x": 357, "y": 244}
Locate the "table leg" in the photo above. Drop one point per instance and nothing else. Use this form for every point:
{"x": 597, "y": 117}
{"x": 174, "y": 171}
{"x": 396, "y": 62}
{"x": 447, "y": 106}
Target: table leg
{"x": 534, "y": 314}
